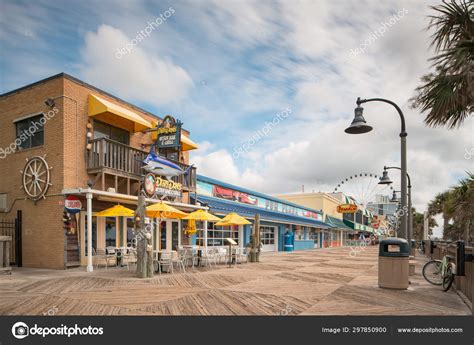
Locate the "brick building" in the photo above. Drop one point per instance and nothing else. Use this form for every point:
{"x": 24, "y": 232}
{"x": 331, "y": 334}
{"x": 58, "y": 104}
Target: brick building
{"x": 78, "y": 136}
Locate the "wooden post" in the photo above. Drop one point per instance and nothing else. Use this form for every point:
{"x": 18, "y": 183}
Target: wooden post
{"x": 257, "y": 237}
{"x": 255, "y": 240}
{"x": 141, "y": 239}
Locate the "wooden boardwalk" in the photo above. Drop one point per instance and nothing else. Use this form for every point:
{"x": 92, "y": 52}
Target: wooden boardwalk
{"x": 315, "y": 282}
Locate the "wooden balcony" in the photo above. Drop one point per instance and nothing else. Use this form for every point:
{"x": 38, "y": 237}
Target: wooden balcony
{"x": 113, "y": 158}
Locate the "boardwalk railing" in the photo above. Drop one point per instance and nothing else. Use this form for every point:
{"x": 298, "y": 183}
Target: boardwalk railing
{"x": 464, "y": 283}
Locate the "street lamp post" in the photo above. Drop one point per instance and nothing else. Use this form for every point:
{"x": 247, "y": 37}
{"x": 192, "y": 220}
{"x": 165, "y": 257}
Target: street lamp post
{"x": 359, "y": 126}
{"x": 386, "y": 180}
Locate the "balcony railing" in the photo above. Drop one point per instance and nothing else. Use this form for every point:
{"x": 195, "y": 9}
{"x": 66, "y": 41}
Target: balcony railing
{"x": 126, "y": 161}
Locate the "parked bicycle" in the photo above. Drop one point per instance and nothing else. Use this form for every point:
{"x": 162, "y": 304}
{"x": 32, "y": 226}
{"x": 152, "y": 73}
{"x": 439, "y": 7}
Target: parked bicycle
{"x": 441, "y": 272}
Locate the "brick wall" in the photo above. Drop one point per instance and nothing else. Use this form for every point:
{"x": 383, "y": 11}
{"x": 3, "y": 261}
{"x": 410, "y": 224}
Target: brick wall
{"x": 43, "y": 240}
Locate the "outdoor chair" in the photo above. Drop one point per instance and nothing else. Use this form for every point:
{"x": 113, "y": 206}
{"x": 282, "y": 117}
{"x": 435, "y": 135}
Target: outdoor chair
{"x": 222, "y": 254}
{"x": 209, "y": 257}
{"x": 101, "y": 254}
{"x": 166, "y": 259}
{"x": 190, "y": 256}
{"x": 180, "y": 259}
{"x": 242, "y": 255}
{"x": 129, "y": 256}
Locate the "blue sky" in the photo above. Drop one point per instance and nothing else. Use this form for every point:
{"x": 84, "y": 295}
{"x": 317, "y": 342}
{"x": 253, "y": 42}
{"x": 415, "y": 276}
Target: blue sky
{"x": 229, "y": 68}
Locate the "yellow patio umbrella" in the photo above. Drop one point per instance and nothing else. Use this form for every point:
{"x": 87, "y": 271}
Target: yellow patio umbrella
{"x": 162, "y": 210}
{"x": 116, "y": 211}
{"x": 202, "y": 215}
{"x": 233, "y": 219}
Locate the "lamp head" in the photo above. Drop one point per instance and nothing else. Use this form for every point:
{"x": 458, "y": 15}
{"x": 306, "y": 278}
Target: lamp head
{"x": 394, "y": 197}
{"x": 385, "y": 179}
{"x": 358, "y": 125}
{"x": 49, "y": 102}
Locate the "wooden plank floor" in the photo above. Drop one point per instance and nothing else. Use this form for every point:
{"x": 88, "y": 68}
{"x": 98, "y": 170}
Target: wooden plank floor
{"x": 316, "y": 282}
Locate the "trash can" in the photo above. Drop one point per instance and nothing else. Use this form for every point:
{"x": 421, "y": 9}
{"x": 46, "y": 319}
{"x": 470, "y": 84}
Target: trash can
{"x": 288, "y": 247}
{"x": 394, "y": 256}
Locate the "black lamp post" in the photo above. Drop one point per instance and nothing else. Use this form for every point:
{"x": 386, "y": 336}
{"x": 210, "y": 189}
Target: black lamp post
{"x": 386, "y": 180}
{"x": 359, "y": 126}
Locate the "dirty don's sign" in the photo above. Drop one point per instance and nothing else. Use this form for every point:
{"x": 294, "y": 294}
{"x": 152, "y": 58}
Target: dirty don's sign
{"x": 155, "y": 185}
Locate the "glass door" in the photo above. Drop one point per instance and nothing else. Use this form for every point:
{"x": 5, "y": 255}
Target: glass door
{"x": 174, "y": 235}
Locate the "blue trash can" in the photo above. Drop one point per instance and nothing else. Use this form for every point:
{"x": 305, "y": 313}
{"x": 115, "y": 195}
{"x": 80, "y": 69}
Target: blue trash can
{"x": 288, "y": 243}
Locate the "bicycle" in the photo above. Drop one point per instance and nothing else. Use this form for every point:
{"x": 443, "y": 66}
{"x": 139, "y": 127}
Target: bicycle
{"x": 441, "y": 272}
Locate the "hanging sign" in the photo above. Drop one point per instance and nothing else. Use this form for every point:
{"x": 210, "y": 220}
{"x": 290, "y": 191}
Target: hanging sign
{"x": 169, "y": 133}
{"x": 72, "y": 204}
{"x": 155, "y": 185}
{"x": 347, "y": 208}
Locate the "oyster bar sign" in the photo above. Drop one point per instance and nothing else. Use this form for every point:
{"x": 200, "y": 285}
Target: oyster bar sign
{"x": 155, "y": 185}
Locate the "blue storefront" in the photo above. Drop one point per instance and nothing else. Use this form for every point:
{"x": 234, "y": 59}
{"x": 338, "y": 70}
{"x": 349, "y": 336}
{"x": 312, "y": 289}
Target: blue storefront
{"x": 302, "y": 226}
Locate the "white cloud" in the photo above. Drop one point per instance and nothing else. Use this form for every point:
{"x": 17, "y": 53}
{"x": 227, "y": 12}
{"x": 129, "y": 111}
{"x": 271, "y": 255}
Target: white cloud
{"x": 136, "y": 76}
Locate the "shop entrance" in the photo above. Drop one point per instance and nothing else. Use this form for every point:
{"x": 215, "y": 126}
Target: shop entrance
{"x": 169, "y": 235}
{"x": 268, "y": 235}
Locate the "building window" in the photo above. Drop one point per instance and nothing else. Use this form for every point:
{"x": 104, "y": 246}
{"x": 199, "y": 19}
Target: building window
{"x": 216, "y": 235}
{"x": 267, "y": 234}
{"x": 30, "y": 132}
{"x": 110, "y": 232}
{"x": 104, "y": 130}
{"x": 3, "y": 201}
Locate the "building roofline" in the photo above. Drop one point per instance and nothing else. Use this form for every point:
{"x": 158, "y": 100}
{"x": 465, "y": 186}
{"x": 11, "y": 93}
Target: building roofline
{"x": 261, "y": 195}
{"x": 77, "y": 81}
{"x": 82, "y": 83}
{"x": 323, "y": 194}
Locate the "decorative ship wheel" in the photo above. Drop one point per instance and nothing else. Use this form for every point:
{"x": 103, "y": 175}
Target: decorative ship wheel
{"x": 36, "y": 178}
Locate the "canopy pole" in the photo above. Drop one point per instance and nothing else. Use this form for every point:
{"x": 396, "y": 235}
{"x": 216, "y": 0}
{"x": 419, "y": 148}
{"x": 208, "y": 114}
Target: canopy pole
{"x": 90, "y": 267}
{"x": 241, "y": 236}
{"x": 205, "y": 235}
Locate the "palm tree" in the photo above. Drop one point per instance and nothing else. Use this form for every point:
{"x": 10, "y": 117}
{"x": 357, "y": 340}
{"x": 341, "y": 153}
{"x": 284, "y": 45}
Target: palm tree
{"x": 447, "y": 94}
{"x": 419, "y": 224}
{"x": 442, "y": 204}
{"x": 463, "y": 205}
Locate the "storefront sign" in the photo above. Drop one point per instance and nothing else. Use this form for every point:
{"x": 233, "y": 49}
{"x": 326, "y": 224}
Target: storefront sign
{"x": 347, "y": 208}
{"x": 216, "y": 191}
{"x": 169, "y": 133}
{"x": 155, "y": 185}
{"x": 72, "y": 204}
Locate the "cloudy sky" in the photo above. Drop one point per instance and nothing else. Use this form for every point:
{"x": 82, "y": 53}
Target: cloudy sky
{"x": 265, "y": 87}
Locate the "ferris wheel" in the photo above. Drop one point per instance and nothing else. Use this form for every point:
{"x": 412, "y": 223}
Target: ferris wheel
{"x": 363, "y": 187}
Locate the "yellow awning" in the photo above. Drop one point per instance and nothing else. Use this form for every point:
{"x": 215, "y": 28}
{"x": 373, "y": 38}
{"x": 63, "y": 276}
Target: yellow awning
{"x": 186, "y": 143}
{"x": 116, "y": 115}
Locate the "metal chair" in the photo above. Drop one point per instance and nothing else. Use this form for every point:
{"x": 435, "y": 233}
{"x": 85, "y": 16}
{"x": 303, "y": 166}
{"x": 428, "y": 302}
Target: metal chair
{"x": 101, "y": 254}
{"x": 180, "y": 259}
{"x": 209, "y": 256}
{"x": 166, "y": 259}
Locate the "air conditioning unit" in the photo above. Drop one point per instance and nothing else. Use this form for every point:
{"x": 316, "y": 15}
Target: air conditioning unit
{"x": 111, "y": 190}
